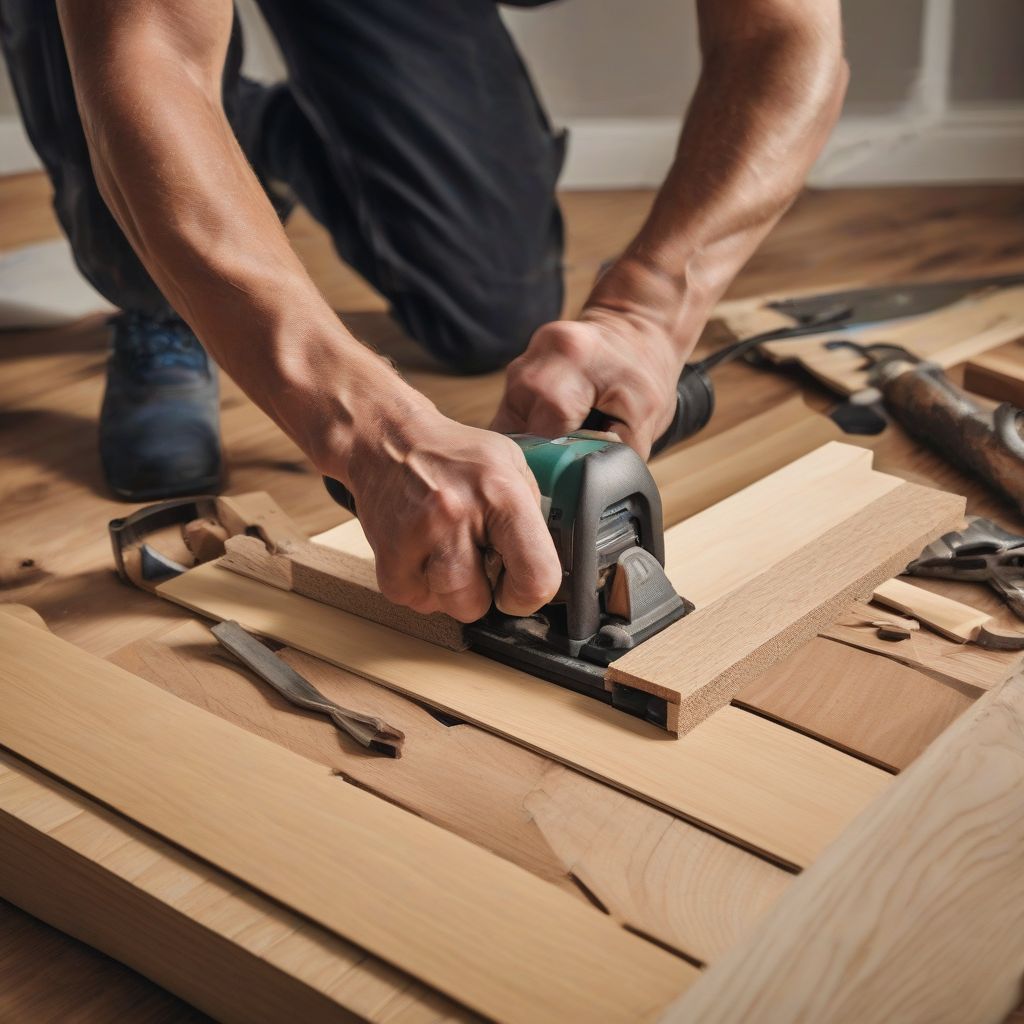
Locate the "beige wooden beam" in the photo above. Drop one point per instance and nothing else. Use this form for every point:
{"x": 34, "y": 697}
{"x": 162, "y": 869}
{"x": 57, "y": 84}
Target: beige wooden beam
{"x": 916, "y": 913}
{"x": 452, "y": 915}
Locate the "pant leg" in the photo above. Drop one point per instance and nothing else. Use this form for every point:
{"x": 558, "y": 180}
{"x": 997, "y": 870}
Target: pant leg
{"x": 37, "y": 63}
{"x": 411, "y": 130}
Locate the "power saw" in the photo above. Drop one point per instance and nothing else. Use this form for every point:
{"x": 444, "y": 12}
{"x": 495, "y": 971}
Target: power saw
{"x": 603, "y": 510}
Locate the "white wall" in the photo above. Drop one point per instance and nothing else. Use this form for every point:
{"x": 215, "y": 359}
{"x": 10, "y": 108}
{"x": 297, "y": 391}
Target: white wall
{"x": 936, "y": 94}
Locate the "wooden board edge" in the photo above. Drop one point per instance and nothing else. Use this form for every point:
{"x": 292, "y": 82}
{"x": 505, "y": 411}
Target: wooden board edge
{"x": 686, "y": 711}
{"x": 920, "y": 899}
{"x": 997, "y": 376}
{"x": 53, "y": 881}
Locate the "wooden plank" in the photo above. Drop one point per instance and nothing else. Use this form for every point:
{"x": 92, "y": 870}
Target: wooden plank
{"x": 695, "y": 476}
{"x": 219, "y": 945}
{"x": 338, "y": 579}
{"x": 953, "y": 619}
{"x": 969, "y": 666}
{"x": 871, "y": 706}
{"x": 701, "y": 662}
{"x": 790, "y": 799}
{"x": 915, "y": 913}
{"x": 998, "y": 375}
{"x": 47, "y": 976}
{"x": 657, "y": 874}
{"x": 440, "y": 908}
{"x": 947, "y": 337}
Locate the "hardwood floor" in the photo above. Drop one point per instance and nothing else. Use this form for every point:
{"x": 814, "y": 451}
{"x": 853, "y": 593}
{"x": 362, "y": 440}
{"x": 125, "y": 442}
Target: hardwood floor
{"x": 54, "y": 552}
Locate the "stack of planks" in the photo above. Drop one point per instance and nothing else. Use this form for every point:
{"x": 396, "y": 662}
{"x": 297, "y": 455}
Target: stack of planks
{"x": 232, "y": 864}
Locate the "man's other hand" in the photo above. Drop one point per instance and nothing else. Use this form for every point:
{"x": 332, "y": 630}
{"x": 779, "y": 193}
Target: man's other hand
{"x": 434, "y": 497}
{"x": 622, "y": 365}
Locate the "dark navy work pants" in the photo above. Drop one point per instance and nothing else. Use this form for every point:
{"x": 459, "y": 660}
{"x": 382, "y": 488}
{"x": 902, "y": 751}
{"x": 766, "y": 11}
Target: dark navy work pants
{"x": 408, "y": 128}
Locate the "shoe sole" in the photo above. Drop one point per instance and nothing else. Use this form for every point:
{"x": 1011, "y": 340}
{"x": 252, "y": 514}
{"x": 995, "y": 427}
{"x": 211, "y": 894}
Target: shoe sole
{"x": 208, "y": 485}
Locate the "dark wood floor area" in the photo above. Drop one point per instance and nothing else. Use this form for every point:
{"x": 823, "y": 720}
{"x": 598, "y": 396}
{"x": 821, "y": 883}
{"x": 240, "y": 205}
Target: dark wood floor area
{"x": 54, "y": 553}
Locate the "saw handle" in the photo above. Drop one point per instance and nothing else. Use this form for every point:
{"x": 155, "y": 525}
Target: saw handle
{"x": 931, "y": 407}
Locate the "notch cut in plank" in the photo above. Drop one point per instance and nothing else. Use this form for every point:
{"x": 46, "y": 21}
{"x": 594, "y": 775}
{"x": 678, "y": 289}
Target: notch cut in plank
{"x": 916, "y": 912}
{"x": 969, "y": 667}
{"x": 873, "y": 707}
{"x": 998, "y": 375}
{"x": 946, "y": 337}
{"x": 221, "y": 946}
{"x": 458, "y": 918}
{"x": 660, "y": 876}
{"x": 700, "y": 663}
{"x": 765, "y": 786}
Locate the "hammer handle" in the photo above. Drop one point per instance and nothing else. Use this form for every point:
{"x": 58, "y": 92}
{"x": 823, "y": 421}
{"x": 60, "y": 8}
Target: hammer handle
{"x": 989, "y": 444}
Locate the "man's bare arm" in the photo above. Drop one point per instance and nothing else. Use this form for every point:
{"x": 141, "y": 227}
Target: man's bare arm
{"x": 770, "y": 91}
{"x": 432, "y": 493}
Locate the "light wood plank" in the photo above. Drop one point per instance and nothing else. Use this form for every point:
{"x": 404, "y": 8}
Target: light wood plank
{"x": 950, "y": 661}
{"x": 428, "y": 902}
{"x": 695, "y": 476}
{"x": 221, "y": 946}
{"x": 661, "y": 876}
{"x": 953, "y": 619}
{"x": 998, "y": 375}
{"x": 701, "y": 662}
{"x": 916, "y": 913}
{"x": 871, "y": 706}
{"x": 792, "y": 797}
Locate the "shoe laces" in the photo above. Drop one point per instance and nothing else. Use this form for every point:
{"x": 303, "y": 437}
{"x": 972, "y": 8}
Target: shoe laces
{"x": 145, "y": 343}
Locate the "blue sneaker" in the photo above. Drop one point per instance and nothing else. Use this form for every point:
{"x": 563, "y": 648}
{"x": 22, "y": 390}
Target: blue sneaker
{"x": 159, "y": 424}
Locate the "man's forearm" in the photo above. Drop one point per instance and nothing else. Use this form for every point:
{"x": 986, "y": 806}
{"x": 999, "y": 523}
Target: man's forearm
{"x": 178, "y": 184}
{"x": 769, "y": 94}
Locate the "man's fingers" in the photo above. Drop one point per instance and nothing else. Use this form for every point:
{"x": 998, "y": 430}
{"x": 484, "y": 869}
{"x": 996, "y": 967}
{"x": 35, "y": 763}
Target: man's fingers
{"x": 533, "y": 572}
{"x": 455, "y": 577}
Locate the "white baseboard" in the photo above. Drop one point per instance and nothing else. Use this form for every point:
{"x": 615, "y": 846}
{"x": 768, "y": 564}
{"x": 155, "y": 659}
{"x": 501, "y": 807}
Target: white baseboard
{"x": 985, "y": 145}
{"x": 16, "y": 153}
{"x": 621, "y": 153}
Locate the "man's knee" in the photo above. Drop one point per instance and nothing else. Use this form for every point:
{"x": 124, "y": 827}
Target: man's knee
{"x": 480, "y": 330}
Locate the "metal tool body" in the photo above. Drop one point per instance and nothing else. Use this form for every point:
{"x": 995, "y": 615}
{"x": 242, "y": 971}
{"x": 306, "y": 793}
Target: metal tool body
{"x": 369, "y": 731}
{"x": 604, "y": 513}
{"x": 982, "y": 553}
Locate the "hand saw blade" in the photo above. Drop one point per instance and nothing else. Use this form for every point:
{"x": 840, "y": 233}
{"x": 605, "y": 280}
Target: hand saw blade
{"x": 888, "y": 302}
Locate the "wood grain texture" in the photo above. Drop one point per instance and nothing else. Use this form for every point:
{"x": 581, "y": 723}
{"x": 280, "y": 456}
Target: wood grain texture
{"x": 998, "y": 375}
{"x": 428, "y": 902}
{"x": 792, "y": 797}
{"x": 870, "y": 706}
{"x": 947, "y": 337}
{"x": 699, "y": 663}
{"x": 189, "y": 927}
{"x": 52, "y": 385}
{"x": 46, "y": 976}
{"x": 916, "y": 913}
{"x": 696, "y": 475}
{"x": 947, "y": 660}
{"x": 655, "y": 873}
